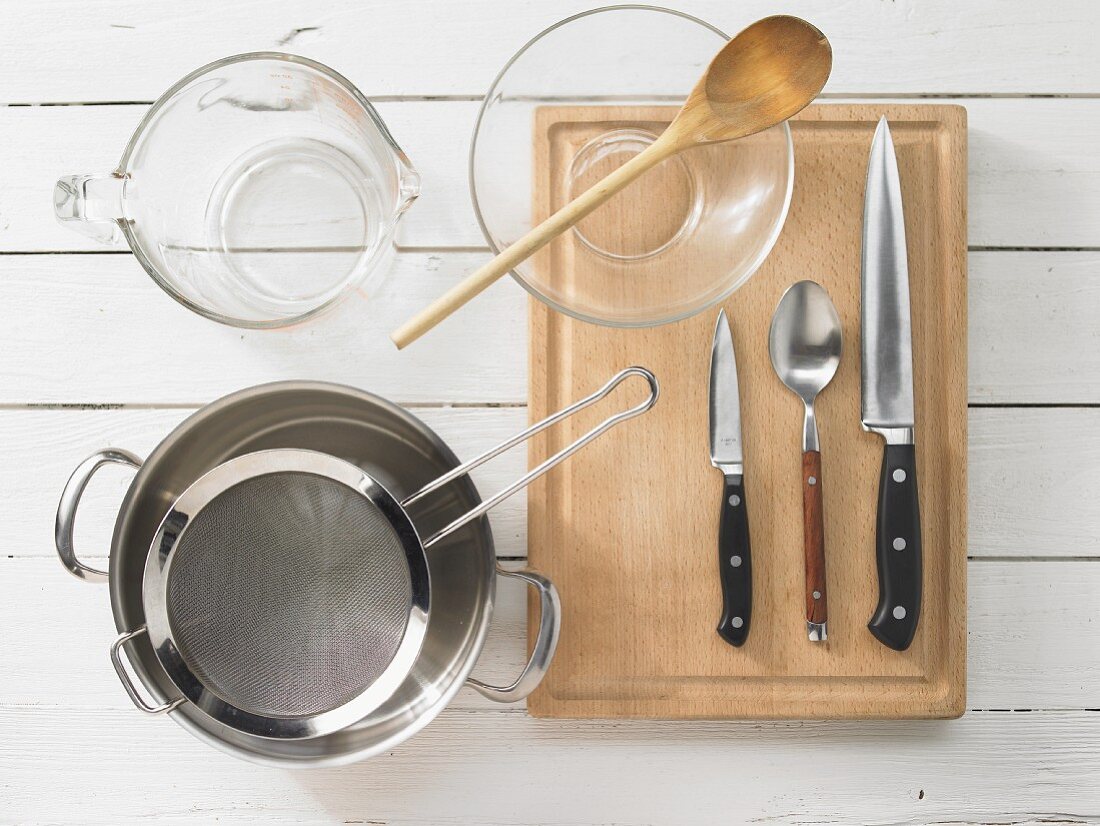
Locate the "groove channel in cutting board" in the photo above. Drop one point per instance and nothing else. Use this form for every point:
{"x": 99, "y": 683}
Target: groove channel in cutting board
{"x": 627, "y": 529}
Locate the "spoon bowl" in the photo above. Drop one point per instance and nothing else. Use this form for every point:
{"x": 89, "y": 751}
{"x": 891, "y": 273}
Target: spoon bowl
{"x": 766, "y": 74}
{"x": 805, "y": 340}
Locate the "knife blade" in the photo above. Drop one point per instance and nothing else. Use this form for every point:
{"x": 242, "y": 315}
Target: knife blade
{"x": 726, "y": 454}
{"x": 887, "y": 406}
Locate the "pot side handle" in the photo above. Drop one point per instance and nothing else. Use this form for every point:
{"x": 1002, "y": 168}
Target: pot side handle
{"x": 546, "y": 641}
{"x": 154, "y": 707}
{"x": 70, "y": 500}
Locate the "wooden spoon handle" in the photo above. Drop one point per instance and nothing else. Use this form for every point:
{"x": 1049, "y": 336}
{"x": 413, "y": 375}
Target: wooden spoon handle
{"x": 813, "y": 541}
{"x": 533, "y": 241}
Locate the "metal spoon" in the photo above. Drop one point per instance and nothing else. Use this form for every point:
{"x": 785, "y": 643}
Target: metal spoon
{"x": 805, "y": 345}
{"x": 766, "y": 74}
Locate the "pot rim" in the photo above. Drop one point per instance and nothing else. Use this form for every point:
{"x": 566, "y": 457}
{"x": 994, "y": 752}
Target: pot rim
{"x": 183, "y": 714}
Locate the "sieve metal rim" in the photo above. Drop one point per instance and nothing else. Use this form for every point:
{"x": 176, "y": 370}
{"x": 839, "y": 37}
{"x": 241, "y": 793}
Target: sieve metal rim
{"x": 158, "y": 567}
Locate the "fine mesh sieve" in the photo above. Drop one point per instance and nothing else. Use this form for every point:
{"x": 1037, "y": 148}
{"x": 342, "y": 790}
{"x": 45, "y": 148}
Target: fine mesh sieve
{"x": 287, "y": 592}
{"x": 310, "y": 638}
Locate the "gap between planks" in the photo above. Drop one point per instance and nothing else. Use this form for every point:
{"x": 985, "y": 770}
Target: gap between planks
{"x": 872, "y": 96}
{"x": 470, "y": 250}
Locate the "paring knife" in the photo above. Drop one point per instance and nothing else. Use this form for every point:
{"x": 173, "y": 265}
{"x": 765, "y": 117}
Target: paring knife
{"x": 734, "y": 558}
{"x": 887, "y": 389}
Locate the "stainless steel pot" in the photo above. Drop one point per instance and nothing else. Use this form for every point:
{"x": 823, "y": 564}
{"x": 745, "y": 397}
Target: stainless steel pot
{"x": 394, "y": 447}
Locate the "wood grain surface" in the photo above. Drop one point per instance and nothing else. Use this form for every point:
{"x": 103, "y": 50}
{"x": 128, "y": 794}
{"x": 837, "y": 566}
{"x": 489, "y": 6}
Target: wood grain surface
{"x": 1028, "y": 157}
{"x": 626, "y": 529}
{"x": 813, "y": 538}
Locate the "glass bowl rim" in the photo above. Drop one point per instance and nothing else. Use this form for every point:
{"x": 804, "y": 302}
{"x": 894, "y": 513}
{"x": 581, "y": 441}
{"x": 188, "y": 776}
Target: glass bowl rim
{"x": 765, "y": 250}
{"x": 122, "y": 170}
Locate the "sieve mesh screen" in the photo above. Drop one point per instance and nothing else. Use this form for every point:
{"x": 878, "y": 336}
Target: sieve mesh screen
{"x": 288, "y": 594}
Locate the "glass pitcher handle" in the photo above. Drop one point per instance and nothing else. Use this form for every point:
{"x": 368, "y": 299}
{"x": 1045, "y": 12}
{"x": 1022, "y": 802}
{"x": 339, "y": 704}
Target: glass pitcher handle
{"x": 91, "y": 204}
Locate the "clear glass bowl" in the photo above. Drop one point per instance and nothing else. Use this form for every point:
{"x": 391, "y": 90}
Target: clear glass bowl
{"x": 575, "y": 103}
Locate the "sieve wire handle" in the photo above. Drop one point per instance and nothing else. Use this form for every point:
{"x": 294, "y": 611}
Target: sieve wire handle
{"x": 557, "y": 458}
{"x": 70, "y": 501}
{"x": 546, "y": 641}
{"x": 128, "y": 684}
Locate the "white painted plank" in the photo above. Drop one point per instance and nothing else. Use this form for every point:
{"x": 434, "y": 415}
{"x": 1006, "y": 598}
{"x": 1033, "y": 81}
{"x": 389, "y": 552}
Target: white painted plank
{"x": 95, "y": 329}
{"x": 1034, "y": 171}
{"x": 91, "y": 51}
{"x": 1034, "y": 486}
{"x": 1031, "y": 634}
{"x": 42, "y": 447}
{"x": 1047, "y": 457}
{"x": 1044, "y": 658}
{"x": 495, "y": 768}
{"x": 1033, "y": 332}
{"x": 60, "y": 660}
{"x": 51, "y": 141}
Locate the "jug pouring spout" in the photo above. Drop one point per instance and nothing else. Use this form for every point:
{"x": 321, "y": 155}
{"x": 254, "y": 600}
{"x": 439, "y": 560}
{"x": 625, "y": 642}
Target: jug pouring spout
{"x": 409, "y": 184}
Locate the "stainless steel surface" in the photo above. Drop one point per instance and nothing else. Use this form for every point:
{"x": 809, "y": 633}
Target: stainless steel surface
{"x": 154, "y": 707}
{"x": 726, "y": 452}
{"x": 390, "y": 445}
{"x": 887, "y": 365}
{"x": 817, "y": 631}
{"x": 557, "y": 458}
{"x": 70, "y": 501}
{"x": 398, "y": 450}
{"x": 381, "y": 614}
{"x": 319, "y": 622}
{"x": 546, "y": 641}
{"x": 805, "y": 345}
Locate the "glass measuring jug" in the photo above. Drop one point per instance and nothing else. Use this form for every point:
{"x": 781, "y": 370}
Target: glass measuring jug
{"x": 257, "y": 191}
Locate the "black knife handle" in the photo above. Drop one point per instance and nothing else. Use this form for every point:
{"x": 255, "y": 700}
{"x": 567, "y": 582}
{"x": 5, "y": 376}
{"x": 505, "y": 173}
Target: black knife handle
{"x": 897, "y": 549}
{"x": 734, "y": 564}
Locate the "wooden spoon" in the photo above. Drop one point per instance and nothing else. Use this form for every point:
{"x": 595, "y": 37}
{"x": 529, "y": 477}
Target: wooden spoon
{"x": 766, "y": 74}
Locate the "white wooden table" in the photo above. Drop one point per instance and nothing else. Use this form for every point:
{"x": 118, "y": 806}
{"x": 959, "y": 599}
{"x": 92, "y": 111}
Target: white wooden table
{"x": 92, "y": 354}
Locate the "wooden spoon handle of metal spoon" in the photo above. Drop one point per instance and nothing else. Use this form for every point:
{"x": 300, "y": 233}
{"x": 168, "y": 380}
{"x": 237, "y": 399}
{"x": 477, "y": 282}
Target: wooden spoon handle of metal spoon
{"x": 535, "y": 240}
{"x": 813, "y": 543}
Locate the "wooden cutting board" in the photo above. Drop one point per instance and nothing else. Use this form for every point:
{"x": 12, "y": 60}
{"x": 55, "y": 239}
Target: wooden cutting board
{"x": 627, "y": 529}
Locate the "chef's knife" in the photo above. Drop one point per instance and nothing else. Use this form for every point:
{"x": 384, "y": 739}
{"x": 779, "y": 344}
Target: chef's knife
{"x": 887, "y": 389}
{"x": 734, "y": 559}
